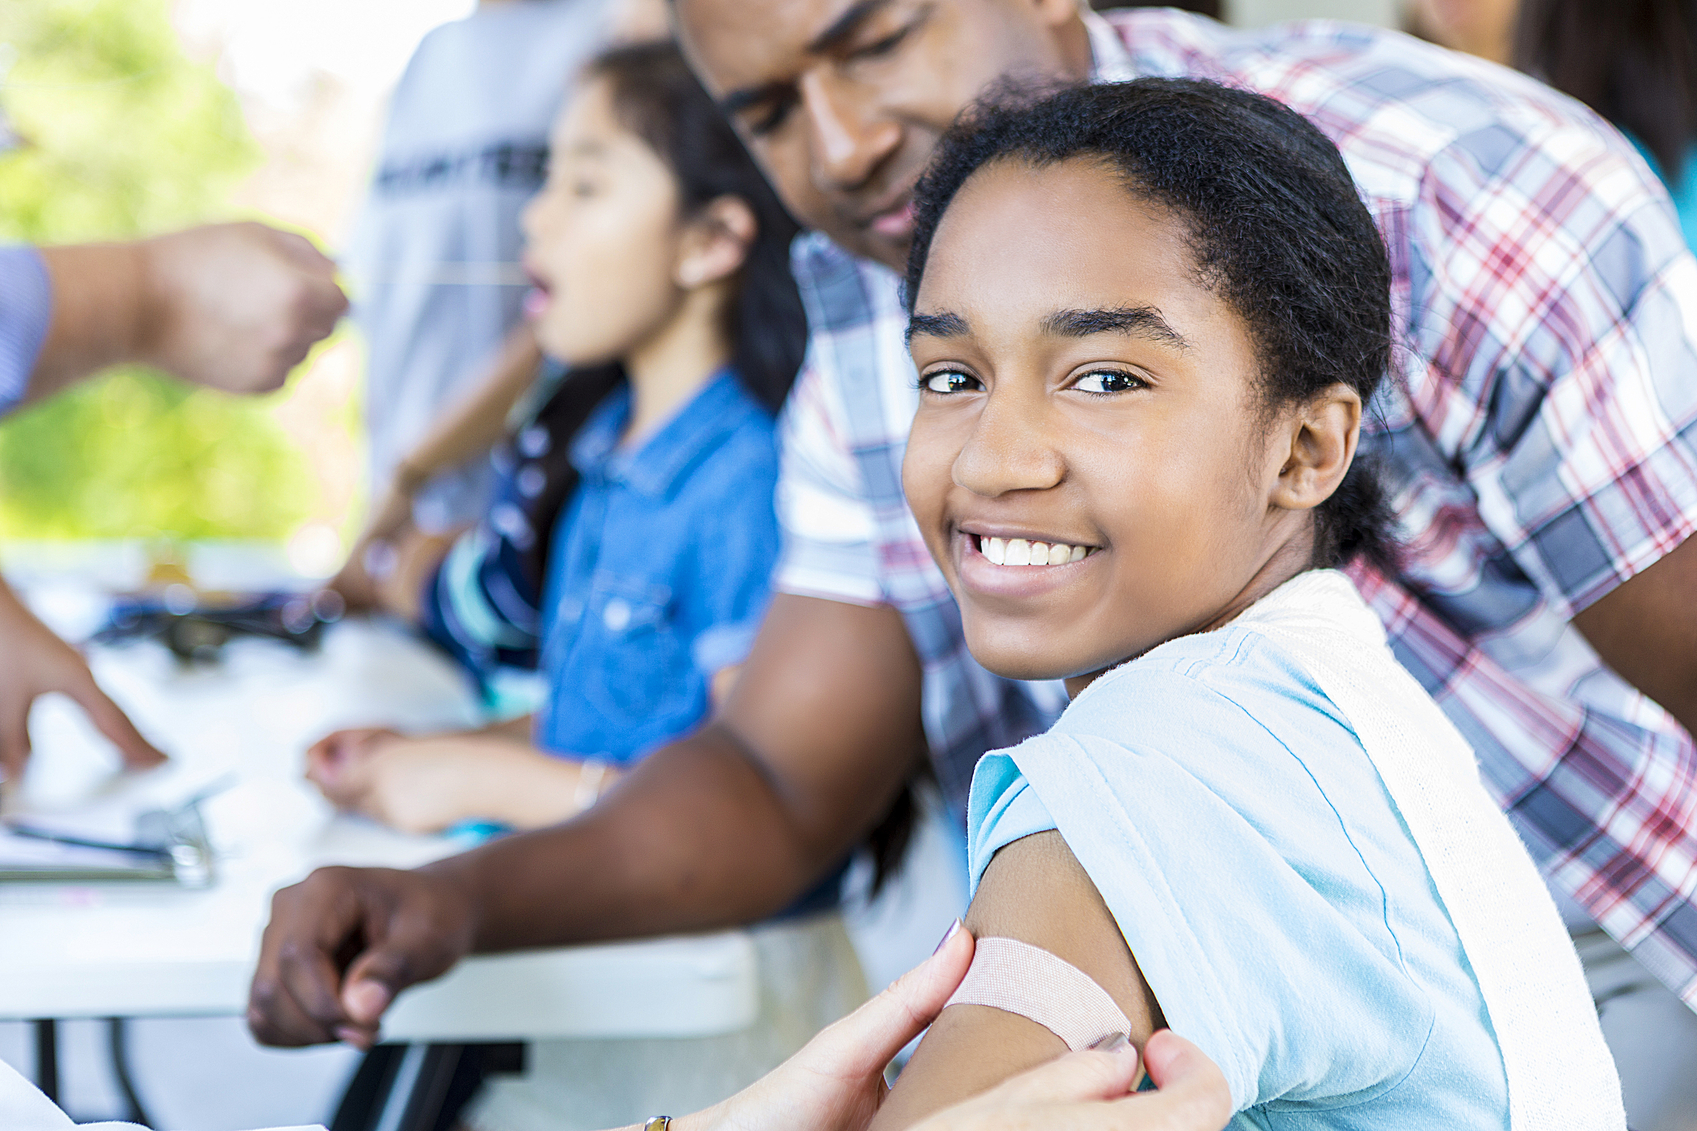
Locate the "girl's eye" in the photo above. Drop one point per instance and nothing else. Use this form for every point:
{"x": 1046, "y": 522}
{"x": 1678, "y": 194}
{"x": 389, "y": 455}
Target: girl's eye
{"x": 949, "y": 381}
{"x": 1109, "y": 381}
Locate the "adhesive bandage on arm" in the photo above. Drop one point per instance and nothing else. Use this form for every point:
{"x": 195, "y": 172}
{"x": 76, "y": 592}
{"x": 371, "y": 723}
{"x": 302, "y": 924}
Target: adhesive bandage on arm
{"x": 1016, "y": 977}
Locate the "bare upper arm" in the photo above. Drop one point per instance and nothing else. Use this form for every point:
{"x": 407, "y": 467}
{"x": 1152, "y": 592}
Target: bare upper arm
{"x": 1646, "y": 630}
{"x": 1035, "y": 891}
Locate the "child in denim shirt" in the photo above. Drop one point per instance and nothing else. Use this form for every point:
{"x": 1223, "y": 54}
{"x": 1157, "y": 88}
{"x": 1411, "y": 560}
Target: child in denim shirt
{"x": 629, "y": 549}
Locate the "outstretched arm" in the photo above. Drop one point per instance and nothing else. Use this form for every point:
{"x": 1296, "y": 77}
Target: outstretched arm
{"x": 1034, "y": 891}
{"x": 228, "y": 306}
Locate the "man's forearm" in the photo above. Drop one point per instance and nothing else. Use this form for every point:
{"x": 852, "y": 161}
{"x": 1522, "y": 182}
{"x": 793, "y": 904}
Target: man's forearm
{"x": 694, "y": 838}
{"x": 98, "y": 300}
{"x": 1646, "y": 630}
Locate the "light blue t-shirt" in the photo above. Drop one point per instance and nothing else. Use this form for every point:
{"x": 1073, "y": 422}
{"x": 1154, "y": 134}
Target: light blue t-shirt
{"x": 1266, "y": 884}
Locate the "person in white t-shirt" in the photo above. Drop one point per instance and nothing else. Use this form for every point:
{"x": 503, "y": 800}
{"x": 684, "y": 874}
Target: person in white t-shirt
{"x": 434, "y": 256}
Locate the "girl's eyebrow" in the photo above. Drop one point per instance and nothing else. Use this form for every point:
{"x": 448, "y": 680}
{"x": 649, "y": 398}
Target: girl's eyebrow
{"x": 1141, "y": 321}
{"x": 943, "y": 325}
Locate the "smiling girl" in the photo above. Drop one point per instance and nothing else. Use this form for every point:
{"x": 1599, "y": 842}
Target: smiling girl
{"x": 1146, "y": 319}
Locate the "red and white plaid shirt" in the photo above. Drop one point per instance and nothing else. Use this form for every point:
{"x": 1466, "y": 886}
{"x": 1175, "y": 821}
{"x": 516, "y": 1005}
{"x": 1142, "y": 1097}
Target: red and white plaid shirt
{"x": 1541, "y": 446}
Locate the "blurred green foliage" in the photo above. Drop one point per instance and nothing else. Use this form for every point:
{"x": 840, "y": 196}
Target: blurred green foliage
{"x": 126, "y": 136}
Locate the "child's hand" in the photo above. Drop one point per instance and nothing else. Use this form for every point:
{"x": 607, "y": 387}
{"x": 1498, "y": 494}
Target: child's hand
{"x": 332, "y": 763}
{"x": 430, "y": 783}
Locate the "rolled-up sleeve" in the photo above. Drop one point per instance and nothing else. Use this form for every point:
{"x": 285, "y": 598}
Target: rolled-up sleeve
{"x": 26, "y": 304}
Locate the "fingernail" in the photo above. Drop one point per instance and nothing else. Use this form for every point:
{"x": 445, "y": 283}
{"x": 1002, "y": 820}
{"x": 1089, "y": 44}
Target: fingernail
{"x": 1113, "y": 1042}
{"x": 355, "y": 1037}
{"x": 366, "y": 1000}
{"x": 947, "y": 935}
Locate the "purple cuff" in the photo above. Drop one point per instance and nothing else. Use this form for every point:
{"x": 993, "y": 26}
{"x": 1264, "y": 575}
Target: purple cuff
{"x": 26, "y": 304}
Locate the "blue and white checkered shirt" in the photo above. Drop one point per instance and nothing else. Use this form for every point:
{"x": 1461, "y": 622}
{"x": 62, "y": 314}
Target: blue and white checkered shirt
{"x": 26, "y": 304}
{"x": 1541, "y": 447}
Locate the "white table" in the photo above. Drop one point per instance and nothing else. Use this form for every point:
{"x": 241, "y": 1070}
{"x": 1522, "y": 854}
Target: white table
{"x": 146, "y": 949}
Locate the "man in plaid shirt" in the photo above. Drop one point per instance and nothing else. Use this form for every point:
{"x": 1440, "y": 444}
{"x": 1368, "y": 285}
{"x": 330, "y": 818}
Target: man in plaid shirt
{"x": 1542, "y": 450}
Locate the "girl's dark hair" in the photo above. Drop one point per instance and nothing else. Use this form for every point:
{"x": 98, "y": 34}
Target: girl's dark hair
{"x": 1275, "y": 226}
{"x": 1632, "y": 61}
{"x": 658, "y": 99}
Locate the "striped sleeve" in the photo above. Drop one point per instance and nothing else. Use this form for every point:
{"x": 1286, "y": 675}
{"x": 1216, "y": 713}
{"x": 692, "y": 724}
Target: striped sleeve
{"x": 26, "y": 304}
{"x": 479, "y": 606}
{"x": 827, "y": 523}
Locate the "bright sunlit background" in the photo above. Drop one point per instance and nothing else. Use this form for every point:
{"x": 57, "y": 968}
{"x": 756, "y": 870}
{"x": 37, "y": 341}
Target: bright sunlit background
{"x": 139, "y": 116}
{"x": 130, "y": 117}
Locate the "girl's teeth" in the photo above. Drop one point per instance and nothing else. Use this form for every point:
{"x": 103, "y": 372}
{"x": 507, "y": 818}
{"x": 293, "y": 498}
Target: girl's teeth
{"x": 1021, "y": 551}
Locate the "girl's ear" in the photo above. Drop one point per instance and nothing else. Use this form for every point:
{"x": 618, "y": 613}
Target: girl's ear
{"x": 1323, "y": 438}
{"x": 716, "y": 242}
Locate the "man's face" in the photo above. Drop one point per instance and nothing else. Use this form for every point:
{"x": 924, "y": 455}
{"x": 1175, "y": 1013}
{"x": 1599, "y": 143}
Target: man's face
{"x": 842, "y": 101}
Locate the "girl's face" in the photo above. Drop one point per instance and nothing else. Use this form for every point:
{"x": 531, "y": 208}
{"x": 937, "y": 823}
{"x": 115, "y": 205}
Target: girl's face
{"x": 604, "y": 239}
{"x": 1085, "y": 402}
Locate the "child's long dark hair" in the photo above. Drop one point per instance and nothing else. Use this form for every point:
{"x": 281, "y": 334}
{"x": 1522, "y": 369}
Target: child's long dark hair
{"x": 1632, "y": 61}
{"x": 658, "y": 99}
{"x": 1276, "y": 228}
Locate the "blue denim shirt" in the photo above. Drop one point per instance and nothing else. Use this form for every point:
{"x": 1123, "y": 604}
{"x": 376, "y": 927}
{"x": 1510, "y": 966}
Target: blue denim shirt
{"x": 659, "y": 572}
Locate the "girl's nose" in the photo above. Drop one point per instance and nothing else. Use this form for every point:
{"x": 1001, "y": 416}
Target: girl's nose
{"x": 1010, "y": 449}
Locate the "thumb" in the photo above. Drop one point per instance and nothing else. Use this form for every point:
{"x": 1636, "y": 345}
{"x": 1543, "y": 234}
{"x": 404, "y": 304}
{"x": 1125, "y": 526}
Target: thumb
{"x": 1080, "y": 1077}
{"x": 110, "y": 720}
{"x": 364, "y": 999}
{"x": 14, "y": 747}
{"x": 1193, "y": 1090}
{"x": 866, "y": 1040}
{"x": 370, "y": 985}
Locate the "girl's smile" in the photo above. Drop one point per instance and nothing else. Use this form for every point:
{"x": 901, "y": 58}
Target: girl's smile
{"x": 994, "y": 561}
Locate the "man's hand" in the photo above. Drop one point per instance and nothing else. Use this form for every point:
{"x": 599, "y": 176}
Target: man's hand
{"x": 343, "y": 942}
{"x": 228, "y": 306}
{"x": 235, "y": 306}
{"x": 38, "y": 662}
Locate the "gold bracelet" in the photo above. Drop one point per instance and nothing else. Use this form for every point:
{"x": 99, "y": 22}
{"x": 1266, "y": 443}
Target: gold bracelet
{"x": 658, "y": 1123}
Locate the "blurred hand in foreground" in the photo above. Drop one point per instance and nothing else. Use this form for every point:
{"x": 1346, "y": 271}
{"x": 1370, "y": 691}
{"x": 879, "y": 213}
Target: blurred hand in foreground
{"x": 229, "y": 306}
{"x": 38, "y": 662}
{"x": 236, "y": 306}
